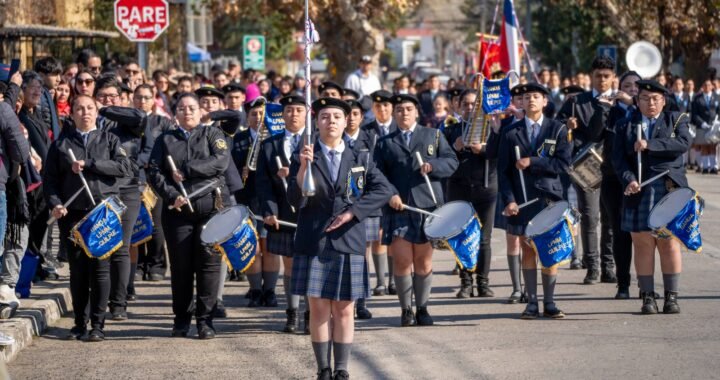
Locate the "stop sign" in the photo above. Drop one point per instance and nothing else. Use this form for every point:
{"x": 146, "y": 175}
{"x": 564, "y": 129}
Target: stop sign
{"x": 141, "y": 20}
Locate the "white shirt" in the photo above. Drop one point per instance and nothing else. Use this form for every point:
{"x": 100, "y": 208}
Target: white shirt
{"x": 363, "y": 84}
{"x": 384, "y": 127}
{"x": 287, "y": 142}
{"x": 529, "y": 126}
{"x": 604, "y": 94}
{"x": 354, "y": 136}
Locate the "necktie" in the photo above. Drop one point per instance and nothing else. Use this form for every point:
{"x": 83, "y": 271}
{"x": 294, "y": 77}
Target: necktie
{"x": 85, "y": 138}
{"x": 334, "y": 165}
{"x": 294, "y": 142}
{"x": 535, "y": 132}
{"x": 407, "y": 135}
{"x": 384, "y": 130}
{"x": 651, "y": 126}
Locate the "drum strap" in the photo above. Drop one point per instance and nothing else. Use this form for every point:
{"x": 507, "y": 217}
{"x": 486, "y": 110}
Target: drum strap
{"x": 676, "y": 124}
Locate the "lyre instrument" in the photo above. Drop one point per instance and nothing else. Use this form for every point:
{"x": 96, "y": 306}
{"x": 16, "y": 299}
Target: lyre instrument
{"x": 262, "y": 134}
{"x": 476, "y": 132}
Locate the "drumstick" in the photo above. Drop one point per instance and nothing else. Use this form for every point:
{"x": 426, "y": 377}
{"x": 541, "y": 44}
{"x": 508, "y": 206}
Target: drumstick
{"x": 639, "y": 154}
{"x": 280, "y": 222}
{"x": 522, "y": 175}
{"x": 654, "y": 178}
{"x": 182, "y": 188}
{"x": 528, "y": 203}
{"x": 427, "y": 179}
{"x": 198, "y": 192}
{"x": 284, "y": 181}
{"x": 82, "y": 178}
{"x": 66, "y": 204}
{"x": 420, "y": 211}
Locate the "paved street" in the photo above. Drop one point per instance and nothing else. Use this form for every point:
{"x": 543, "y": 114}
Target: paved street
{"x": 601, "y": 338}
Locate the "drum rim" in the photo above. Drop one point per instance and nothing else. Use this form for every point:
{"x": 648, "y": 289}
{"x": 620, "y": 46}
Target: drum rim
{"x": 666, "y": 198}
{"x": 567, "y": 209}
{"x": 464, "y": 226}
{"x": 229, "y": 235}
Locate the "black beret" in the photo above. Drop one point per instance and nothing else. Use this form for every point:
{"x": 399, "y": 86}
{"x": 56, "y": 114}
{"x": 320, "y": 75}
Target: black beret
{"x": 329, "y": 84}
{"x": 515, "y": 91}
{"x": 381, "y": 96}
{"x": 355, "y": 104}
{"x": 651, "y": 85}
{"x": 523, "y": 89}
{"x": 353, "y": 93}
{"x": 257, "y": 102}
{"x": 572, "y": 89}
{"x": 456, "y": 91}
{"x": 323, "y": 103}
{"x": 468, "y": 91}
{"x": 232, "y": 87}
{"x": 292, "y": 99}
{"x": 209, "y": 91}
{"x": 402, "y": 98}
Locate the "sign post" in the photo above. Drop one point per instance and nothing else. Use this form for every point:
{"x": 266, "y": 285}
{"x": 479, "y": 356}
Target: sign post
{"x": 608, "y": 51}
{"x": 142, "y": 21}
{"x": 254, "y": 52}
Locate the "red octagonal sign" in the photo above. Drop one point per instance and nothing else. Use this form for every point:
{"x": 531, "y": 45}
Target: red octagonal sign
{"x": 141, "y": 20}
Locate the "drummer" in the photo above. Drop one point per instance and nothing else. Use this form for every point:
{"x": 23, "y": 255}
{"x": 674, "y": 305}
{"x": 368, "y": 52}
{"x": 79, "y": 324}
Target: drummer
{"x": 403, "y": 230}
{"x": 329, "y": 264}
{"x": 201, "y": 155}
{"x": 103, "y": 162}
{"x": 272, "y": 195}
{"x": 545, "y": 153}
{"x": 668, "y": 140}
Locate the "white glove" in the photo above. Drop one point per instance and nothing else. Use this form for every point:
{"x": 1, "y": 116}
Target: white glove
{"x": 705, "y": 125}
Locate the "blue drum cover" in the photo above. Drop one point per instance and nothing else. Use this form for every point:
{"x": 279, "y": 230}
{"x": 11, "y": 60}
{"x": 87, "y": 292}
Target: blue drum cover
{"x": 143, "y": 228}
{"x": 555, "y": 246}
{"x": 99, "y": 234}
{"x": 496, "y": 95}
{"x": 239, "y": 251}
{"x": 685, "y": 227}
{"x": 466, "y": 245}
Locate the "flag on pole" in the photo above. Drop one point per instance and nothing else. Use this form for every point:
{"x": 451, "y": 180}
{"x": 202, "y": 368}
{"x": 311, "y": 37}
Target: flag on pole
{"x": 509, "y": 42}
{"x": 489, "y": 58}
{"x": 312, "y": 34}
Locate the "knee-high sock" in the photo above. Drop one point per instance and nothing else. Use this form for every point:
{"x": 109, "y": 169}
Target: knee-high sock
{"x": 422, "y": 286}
{"x": 342, "y": 355}
{"x": 221, "y": 283}
{"x": 255, "y": 280}
{"x": 514, "y": 265}
{"x": 549, "y": 282}
{"x": 322, "y": 351}
{"x": 530, "y": 276}
{"x": 646, "y": 283}
{"x": 671, "y": 282}
{"x": 293, "y": 301}
{"x": 391, "y": 271}
{"x": 381, "y": 263}
{"x": 270, "y": 280}
{"x": 404, "y": 286}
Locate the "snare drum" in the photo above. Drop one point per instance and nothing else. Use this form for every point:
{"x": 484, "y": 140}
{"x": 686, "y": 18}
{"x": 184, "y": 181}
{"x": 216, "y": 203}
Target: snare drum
{"x": 550, "y": 234}
{"x": 100, "y": 233}
{"x": 144, "y": 225}
{"x": 231, "y": 232}
{"x": 677, "y": 215}
{"x": 585, "y": 168}
{"x": 459, "y": 227}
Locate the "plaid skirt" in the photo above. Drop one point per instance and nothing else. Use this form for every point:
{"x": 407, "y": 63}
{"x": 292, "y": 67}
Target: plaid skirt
{"x": 404, "y": 224}
{"x": 372, "y": 229}
{"x": 280, "y": 243}
{"x": 636, "y": 219}
{"x": 331, "y": 275}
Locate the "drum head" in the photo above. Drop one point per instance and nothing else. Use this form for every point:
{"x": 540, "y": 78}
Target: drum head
{"x": 547, "y": 218}
{"x": 222, "y": 226}
{"x": 455, "y": 215}
{"x": 668, "y": 207}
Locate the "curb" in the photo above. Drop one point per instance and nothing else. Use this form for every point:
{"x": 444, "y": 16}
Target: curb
{"x": 49, "y": 301}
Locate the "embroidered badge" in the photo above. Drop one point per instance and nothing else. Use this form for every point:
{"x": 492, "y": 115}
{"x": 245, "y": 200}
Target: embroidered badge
{"x": 220, "y": 144}
{"x": 431, "y": 150}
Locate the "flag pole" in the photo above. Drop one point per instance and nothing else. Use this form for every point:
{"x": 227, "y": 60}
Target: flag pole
{"x": 308, "y": 186}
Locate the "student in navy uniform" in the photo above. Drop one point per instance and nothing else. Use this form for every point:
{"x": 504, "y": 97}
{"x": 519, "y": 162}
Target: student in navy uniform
{"x": 403, "y": 230}
{"x": 330, "y": 266}
{"x": 201, "y": 154}
{"x": 272, "y": 195}
{"x": 677, "y": 99}
{"x": 468, "y": 184}
{"x": 665, "y": 141}
{"x": 545, "y": 154}
{"x": 705, "y": 108}
{"x": 235, "y": 98}
{"x": 330, "y": 89}
{"x": 382, "y": 108}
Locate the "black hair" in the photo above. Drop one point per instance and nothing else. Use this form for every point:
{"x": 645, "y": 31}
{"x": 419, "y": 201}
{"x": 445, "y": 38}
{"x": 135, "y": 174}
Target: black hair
{"x": 48, "y": 66}
{"x": 185, "y": 78}
{"x": 627, "y": 74}
{"x": 143, "y": 86}
{"x": 602, "y": 62}
{"x": 107, "y": 81}
{"x": 186, "y": 95}
{"x": 84, "y": 56}
{"x": 3, "y": 88}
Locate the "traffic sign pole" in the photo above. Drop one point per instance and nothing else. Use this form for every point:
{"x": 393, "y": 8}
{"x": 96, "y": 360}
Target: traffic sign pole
{"x": 142, "y": 55}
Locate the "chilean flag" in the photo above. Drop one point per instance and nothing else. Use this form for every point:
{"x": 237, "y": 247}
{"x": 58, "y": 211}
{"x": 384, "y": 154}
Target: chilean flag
{"x": 509, "y": 43}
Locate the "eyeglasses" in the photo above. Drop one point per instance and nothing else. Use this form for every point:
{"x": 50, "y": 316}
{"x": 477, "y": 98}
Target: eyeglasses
{"x": 107, "y": 96}
{"x": 133, "y": 72}
{"x": 142, "y": 98}
{"x": 651, "y": 99}
{"x": 85, "y": 82}
{"x": 187, "y": 110}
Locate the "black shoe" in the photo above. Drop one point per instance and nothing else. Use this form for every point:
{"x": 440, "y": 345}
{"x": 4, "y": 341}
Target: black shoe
{"x": 291, "y": 324}
{"x": 96, "y": 335}
{"x": 531, "y": 311}
{"x": 551, "y": 311}
{"x": 705, "y": 171}
{"x": 464, "y": 292}
{"x": 591, "y": 277}
{"x": 423, "y": 318}
{"x": 361, "y": 310}
{"x": 306, "y": 317}
{"x": 119, "y": 314}
{"x": 256, "y": 298}
{"x": 231, "y": 275}
{"x": 407, "y": 318}
{"x": 608, "y": 277}
{"x": 514, "y": 298}
{"x": 713, "y": 171}
{"x": 139, "y": 275}
{"x": 324, "y": 374}
{"x": 655, "y": 295}
{"x": 623, "y": 293}
{"x": 379, "y": 290}
{"x": 671, "y": 306}
{"x": 219, "y": 311}
{"x": 484, "y": 290}
{"x": 76, "y": 333}
{"x": 241, "y": 277}
{"x": 341, "y": 375}
{"x": 131, "y": 297}
{"x": 391, "y": 290}
{"x": 524, "y": 298}
{"x": 575, "y": 264}
{"x": 180, "y": 331}
{"x": 269, "y": 298}
{"x": 155, "y": 277}
{"x": 649, "y": 305}
{"x": 206, "y": 332}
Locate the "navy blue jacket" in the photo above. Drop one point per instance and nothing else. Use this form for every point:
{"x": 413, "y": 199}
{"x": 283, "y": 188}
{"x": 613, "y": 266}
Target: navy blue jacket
{"x": 268, "y": 186}
{"x": 591, "y": 115}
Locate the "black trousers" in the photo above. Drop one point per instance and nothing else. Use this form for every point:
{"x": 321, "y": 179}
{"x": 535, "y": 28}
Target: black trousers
{"x": 615, "y": 241}
{"x": 120, "y": 260}
{"x": 151, "y": 256}
{"x": 89, "y": 278}
{"x": 589, "y": 207}
{"x": 484, "y": 201}
{"x": 191, "y": 263}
